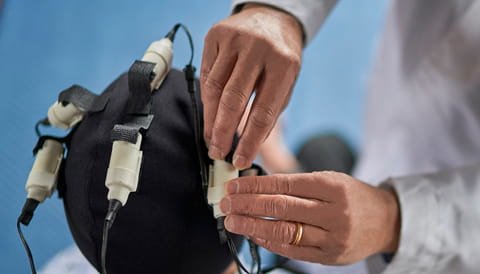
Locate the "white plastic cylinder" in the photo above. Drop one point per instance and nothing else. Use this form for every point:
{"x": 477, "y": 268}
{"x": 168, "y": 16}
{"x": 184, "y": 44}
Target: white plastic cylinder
{"x": 123, "y": 169}
{"x": 220, "y": 174}
{"x": 160, "y": 53}
{"x": 42, "y": 179}
{"x": 64, "y": 117}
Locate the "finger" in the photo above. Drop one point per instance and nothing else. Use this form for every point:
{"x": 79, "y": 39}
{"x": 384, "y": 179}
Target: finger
{"x": 212, "y": 87}
{"x": 282, "y": 207}
{"x": 210, "y": 52}
{"x": 265, "y": 109}
{"x": 317, "y": 185}
{"x": 276, "y": 231}
{"x": 303, "y": 253}
{"x": 233, "y": 102}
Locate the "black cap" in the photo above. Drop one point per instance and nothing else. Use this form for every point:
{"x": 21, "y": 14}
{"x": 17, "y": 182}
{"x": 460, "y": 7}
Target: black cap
{"x": 166, "y": 226}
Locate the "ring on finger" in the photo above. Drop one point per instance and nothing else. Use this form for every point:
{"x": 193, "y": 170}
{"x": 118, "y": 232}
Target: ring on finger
{"x": 298, "y": 235}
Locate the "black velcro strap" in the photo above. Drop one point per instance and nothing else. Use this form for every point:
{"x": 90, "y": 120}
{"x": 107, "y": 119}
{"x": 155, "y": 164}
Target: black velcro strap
{"x": 128, "y": 131}
{"x": 83, "y": 98}
{"x": 139, "y": 121}
{"x": 139, "y": 78}
{"x": 124, "y": 133}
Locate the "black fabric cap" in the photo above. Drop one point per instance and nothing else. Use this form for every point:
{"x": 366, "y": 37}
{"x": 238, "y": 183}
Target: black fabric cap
{"x": 166, "y": 226}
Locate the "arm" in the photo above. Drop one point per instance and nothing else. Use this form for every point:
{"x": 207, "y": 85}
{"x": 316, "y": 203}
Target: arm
{"x": 257, "y": 49}
{"x": 440, "y": 230}
{"x": 310, "y": 13}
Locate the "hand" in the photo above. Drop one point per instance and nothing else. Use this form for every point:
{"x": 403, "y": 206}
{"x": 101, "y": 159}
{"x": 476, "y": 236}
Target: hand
{"x": 344, "y": 220}
{"x": 258, "y": 49}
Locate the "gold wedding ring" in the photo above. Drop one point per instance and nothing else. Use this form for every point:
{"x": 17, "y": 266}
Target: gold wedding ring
{"x": 298, "y": 236}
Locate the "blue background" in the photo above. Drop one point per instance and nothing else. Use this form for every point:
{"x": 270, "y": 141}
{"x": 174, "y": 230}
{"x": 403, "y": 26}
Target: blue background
{"x": 46, "y": 46}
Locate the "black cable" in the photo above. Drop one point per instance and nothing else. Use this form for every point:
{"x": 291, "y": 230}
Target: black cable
{"x": 106, "y": 228}
{"x": 27, "y": 248}
{"x": 189, "y": 71}
{"x": 256, "y": 260}
{"x": 171, "y": 36}
{"x": 37, "y": 126}
{"x": 234, "y": 253}
{"x": 198, "y": 144}
{"x": 113, "y": 208}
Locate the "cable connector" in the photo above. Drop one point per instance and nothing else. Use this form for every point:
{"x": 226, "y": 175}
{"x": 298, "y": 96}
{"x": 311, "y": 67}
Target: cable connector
{"x": 220, "y": 173}
{"x": 27, "y": 211}
{"x": 189, "y": 71}
{"x": 124, "y": 169}
{"x": 160, "y": 53}
{"x": 64, "y": 116}
{"x": 42, "y": 179}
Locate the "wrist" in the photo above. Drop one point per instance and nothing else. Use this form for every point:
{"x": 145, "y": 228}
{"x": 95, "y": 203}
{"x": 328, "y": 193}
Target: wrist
{"x": 290, "y": 22}
{"x": 392, "y": 222}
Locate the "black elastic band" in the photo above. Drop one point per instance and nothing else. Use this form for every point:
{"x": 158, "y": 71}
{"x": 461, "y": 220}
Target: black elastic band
{"x": 128, "y": 131}
{"x": 139, "y": 78}
{"x": 124, "y": 133}
{"x": 83, "y": 98}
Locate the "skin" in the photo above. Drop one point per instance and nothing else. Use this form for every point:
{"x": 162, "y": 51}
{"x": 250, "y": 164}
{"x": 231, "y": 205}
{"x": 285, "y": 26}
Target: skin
{"x": 258, "y": 49}
{"x": 344, "y": 220}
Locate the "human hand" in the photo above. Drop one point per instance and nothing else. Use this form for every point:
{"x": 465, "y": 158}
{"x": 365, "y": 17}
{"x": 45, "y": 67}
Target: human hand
{"x": 344, "y": 220}
{"x": 258, "y": 49}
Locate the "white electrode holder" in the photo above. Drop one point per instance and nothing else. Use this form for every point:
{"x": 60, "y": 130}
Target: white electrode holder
{"x": 43, "y": 176}
{"x": 160, "y": 53}
{"x": 220, "y": 173}
{"x": 124, "y": 169}
{"x": 64, "y": 116}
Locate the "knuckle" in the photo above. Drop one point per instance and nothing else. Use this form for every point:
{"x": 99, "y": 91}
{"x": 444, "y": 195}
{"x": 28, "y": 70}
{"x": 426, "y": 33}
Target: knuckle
{"x": 263, "y": 117}
{"x": 276, "y": 207}
{"x": 215, "y": 32}
{"x": 293, "y": 61}
{"x": 213, "y": 87}
{"x": 281, "y": 232}
{"x": 288, "y": 183}
{"x": 280, "y": 184}
{"x": 240, "y": 206}
{"x": 291, "y": 230}
{"x": 220, "y": 138}
{"x": 257, "y": 185}
{"x": 253, "y": 228}
{"x": 234, "y": 101}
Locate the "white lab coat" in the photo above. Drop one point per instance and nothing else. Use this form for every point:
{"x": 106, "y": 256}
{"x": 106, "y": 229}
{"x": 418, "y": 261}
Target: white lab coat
{"x": 423, "y": 116}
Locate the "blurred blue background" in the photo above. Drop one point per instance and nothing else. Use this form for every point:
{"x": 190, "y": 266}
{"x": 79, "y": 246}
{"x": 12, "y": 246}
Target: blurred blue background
{"x": 46, "y": 46}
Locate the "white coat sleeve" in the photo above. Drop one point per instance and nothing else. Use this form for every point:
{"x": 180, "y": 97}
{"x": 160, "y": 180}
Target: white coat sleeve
{"x": 310, "y": 13}
{"x": 440, "y": 231}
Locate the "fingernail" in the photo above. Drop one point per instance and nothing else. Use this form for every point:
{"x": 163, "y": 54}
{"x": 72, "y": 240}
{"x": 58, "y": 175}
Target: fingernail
{"x": 239, "y": 162}
{"x": 229, "y": 223}
{"x": 214, "y": 153}
{"x": 232, "y": 187}
{"x": 226, "y": 205}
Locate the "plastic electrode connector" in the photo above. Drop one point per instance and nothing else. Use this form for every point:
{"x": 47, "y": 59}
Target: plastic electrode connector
{"x": 124, "y": 169}
{"x": 42, "y": 179}
{"x": 64, "y": 116}
{"x": 160, "y": 53}
{"x": 220, "y": 173}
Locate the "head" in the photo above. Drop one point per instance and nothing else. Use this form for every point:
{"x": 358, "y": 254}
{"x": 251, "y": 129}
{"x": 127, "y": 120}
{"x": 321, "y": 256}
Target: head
{"x": 166, "y": 226}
